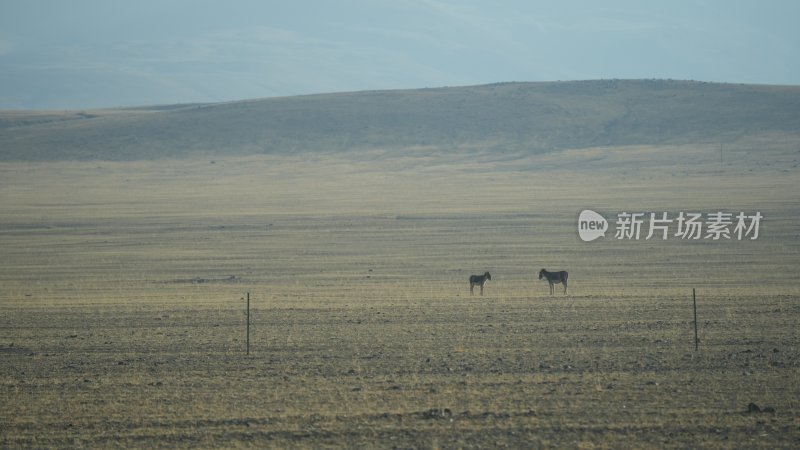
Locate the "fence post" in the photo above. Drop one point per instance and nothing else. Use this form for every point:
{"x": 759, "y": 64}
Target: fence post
{"x": 248, "y": 323}
{"x": 694, "y": 302}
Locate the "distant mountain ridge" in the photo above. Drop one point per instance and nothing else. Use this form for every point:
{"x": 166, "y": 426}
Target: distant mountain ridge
{"x": 529, "y": 117}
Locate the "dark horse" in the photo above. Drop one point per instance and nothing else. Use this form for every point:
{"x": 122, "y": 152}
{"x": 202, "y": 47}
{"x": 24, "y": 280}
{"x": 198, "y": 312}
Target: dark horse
{"x": 479, "y": 280}
{"x": 554, "y": 278}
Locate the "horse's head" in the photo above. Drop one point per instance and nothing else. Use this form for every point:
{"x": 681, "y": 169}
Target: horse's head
{"x": 541, "y": 273}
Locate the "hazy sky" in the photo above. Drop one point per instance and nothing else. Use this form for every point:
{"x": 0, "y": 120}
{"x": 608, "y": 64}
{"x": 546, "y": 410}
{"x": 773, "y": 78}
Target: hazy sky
{"x": 93, "y": 53}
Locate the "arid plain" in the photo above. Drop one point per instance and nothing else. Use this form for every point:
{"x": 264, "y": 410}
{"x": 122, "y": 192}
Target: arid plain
{"x": 124, "y": 320}
{"x": 123, "y": 286}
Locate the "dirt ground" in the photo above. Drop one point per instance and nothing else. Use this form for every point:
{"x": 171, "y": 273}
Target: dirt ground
{"x": 123, "y": 321}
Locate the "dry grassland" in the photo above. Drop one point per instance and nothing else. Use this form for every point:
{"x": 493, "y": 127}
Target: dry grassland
{"x": 122, "y": 319}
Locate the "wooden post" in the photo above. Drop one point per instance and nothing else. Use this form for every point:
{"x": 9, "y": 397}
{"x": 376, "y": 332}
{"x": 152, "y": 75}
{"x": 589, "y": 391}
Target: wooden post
{"x": 694, "y": 302}
{"x": 248, "y": 323}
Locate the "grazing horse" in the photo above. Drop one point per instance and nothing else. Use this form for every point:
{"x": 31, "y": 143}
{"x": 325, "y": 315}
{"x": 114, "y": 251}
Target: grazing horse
{"x": 479, "y": 280}
{"x": 554, "y": 278}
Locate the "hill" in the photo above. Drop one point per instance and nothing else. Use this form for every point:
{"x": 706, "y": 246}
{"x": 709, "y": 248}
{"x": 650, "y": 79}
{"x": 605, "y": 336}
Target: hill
{"x": 527, "y": 117}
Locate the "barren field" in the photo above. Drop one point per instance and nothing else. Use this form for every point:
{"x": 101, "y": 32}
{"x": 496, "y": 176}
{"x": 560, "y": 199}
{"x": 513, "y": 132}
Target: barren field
{"x": 123, "y": 284}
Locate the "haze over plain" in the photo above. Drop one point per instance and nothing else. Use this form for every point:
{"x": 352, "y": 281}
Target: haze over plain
{"x": 91, "y": 53}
